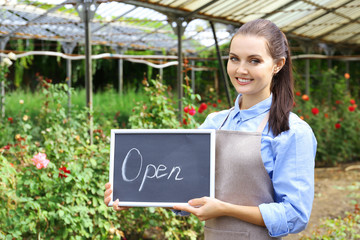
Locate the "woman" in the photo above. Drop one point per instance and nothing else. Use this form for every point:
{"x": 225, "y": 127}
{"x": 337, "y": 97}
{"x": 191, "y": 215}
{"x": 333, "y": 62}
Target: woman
{"x": 264, "y": 153}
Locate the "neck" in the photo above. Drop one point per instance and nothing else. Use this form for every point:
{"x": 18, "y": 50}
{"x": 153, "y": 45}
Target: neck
{"x": 249, "y": 101}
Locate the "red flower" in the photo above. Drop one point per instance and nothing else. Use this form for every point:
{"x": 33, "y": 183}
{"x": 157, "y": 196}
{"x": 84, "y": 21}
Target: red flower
{"x": 10, "y": 119}
{"x": 214, "y": 105}
{"x": 337, "y": 125}
{"x": 202, "y": 107}
{"x": 192, "y": 111}
{"x": 298, "y": 93}
{"x": 64, "y": 170}
{"x": 352, "y": 101}
{"x": 326, "y": 115}
{"x": 351, "y": 108}
{"x": 315, "y": 111}
{"x": 305, "y": 97}
{"x": 185, "y": 121}
{"x": 337, "y": 102}
{"x": 186, "y": 109}
{"x": 6, "y": 147}
{"x": 62, "y": 175}
{"x": 219, "y": 100}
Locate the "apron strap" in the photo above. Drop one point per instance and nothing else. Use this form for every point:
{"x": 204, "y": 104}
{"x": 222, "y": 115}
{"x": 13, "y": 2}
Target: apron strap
{"x": 263, "y": 123}
{"x": 222, "y": 124}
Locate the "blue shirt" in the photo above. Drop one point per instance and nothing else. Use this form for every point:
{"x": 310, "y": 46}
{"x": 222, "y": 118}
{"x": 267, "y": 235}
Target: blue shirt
{"x": 289, "y": 159}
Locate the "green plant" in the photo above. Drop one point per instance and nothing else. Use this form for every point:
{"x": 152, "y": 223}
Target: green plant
{"x": 335, "y": 121}
{"x": 63, "y": 199}
{"x": 340, "y": 228}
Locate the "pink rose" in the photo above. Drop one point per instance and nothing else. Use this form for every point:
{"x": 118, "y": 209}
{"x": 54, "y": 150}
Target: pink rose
{"x": 40, "y": 160}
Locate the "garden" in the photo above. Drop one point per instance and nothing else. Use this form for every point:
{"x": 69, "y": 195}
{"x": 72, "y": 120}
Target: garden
{"x": 52, "y": 179}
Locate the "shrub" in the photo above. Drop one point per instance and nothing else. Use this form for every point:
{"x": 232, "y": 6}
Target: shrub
{"x": 335, "y": 121}
{"x": 62, "y": 196}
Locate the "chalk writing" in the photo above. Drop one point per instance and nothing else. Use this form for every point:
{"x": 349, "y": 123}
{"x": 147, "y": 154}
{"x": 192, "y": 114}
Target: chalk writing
{"x": 151, "y": 171}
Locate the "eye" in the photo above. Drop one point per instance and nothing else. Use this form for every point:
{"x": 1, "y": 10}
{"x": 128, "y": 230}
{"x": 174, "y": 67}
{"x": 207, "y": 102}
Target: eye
{"x": 254, "y": 61}
{"x": 233, "y": 59}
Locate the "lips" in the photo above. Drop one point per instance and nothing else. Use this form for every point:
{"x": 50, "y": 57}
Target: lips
{"x": 243, "y": 80}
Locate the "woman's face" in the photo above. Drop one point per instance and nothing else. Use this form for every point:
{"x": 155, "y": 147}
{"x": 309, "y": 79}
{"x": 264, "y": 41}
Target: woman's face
{"x": 250, "y": 67}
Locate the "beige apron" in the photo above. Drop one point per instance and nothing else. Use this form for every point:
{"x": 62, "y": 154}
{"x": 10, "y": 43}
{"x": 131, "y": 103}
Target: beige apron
{"x": 242, "y": 179}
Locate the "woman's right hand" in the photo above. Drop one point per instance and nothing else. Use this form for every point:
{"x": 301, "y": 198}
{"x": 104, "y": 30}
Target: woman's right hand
{"x": 107, "y": 198}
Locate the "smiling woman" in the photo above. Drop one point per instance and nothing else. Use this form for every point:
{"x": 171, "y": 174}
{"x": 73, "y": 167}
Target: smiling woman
{"x": 265, "y": 154}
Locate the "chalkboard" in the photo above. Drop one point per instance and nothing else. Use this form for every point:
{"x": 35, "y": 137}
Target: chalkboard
{"x": 162, "y": 167}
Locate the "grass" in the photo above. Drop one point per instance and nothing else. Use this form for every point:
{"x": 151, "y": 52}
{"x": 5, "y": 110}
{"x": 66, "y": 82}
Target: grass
{"x": 107, "y": 106}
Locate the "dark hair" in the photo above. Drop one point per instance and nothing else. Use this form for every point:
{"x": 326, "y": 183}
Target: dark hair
{"x": 282, "y": 84}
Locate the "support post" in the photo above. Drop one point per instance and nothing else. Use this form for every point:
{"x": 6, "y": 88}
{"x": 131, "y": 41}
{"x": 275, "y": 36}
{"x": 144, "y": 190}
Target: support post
{"x": 222, "y": 67}
{"x": 307, "y": 47}
{"x": 347, "y": 52}
{"x": 86, "y": 10}
{"x": 161, "y": 72}
{"x": 329, "y": 51}
{"x": 307, "y": 77}
{"x": 347, "y": 69}
{"x": 179, "y": 24}
{"x": 3, "y": 42}
{"x": 68, "y": 48}
{"x": 192, "y": 62}
{"x": 120, "y": 50}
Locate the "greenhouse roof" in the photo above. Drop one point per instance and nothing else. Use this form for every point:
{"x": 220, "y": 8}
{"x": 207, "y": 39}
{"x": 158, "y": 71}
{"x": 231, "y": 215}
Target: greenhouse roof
{"x": 147, "y": 24}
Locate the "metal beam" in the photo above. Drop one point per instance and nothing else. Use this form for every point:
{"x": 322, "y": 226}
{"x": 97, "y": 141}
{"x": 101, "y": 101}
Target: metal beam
{"x": 146, "y": 34}
{"x": 3, "y": 42}
{"x": 222, "y": 67}
{"x": 37, "y": 18}
{"x": 320, "y": 16}
{"x": 279, "y": 9}
{"x": 199, "y": 9}
{"x": 178, "y": 12}
{"x": 86, "y": 13}
{"x": 68, "y": 48}
{"x": 106, "y": 24}
{"x": 337, "y": 28}
{"x": 179, "y": 32}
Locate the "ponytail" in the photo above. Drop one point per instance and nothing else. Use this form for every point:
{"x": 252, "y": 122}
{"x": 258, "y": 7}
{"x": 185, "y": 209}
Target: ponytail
{"x": 282, "y": 89}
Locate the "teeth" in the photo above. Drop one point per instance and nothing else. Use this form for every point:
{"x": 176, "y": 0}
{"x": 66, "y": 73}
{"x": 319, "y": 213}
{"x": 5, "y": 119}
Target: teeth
{"x": 243, "y": 80}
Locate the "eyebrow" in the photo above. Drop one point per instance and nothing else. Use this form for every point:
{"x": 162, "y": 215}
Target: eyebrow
{"x": 251, "y": 56}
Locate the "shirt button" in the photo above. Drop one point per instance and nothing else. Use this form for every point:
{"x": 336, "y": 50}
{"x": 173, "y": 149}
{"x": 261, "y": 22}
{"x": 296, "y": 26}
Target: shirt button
{"x": 291, "y": 226}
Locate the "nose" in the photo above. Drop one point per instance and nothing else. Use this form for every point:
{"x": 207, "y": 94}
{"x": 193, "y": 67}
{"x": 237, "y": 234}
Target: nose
{"x": 241, "y": 69}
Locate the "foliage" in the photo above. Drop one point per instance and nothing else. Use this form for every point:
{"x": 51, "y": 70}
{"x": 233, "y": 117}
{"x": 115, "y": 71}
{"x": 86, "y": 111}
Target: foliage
{"x": 159, "y": 110}
{"x": 334, "y": 118}
{"x": 63, "y": 198}
{"x": 347, "y": 227}
{"x": 43, "y": 203}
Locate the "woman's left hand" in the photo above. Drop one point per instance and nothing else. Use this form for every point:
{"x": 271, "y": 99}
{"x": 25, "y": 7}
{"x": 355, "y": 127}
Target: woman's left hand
{"x": 204, "y": 208}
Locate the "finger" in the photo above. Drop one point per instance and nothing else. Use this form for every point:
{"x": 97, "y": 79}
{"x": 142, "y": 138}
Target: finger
{"x": 186, "y": 209}
{"x": 107, "y": 185}
{"x": 107, "y": 193}
{"x": 116, "y": 205}
{"x": 197, "y": 201}
{"x": 107, "y": 200}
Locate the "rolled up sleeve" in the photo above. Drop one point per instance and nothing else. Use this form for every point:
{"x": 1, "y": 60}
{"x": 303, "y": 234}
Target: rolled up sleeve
{"x": 293, "y": 181}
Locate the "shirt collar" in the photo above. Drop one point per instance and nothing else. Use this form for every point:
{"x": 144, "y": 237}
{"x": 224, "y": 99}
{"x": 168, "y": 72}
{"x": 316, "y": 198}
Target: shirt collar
{"x": 252, "y": 112}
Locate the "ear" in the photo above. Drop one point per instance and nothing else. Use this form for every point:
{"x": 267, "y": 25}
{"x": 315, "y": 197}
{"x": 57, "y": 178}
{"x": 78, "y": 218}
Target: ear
{"x": 279, "y": 64}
